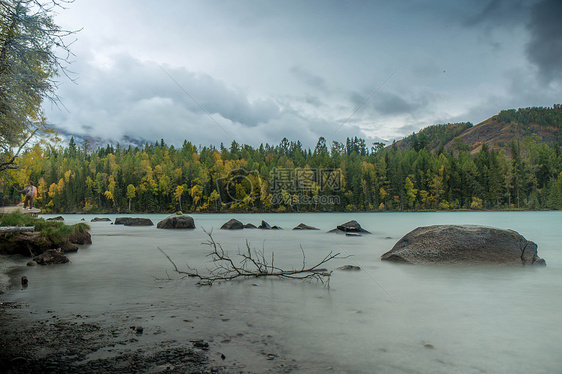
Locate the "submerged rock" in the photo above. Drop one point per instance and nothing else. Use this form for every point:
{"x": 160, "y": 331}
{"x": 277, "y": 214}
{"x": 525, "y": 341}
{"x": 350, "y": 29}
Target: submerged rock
{"x": 80, "y": 238}
{"x": 302, "y": 226}
{"x": 266, "y": 226}
{"x": 57, "y": 218}
{"x": 463, "y": 244}
{"x": 233, "y": 224}
{"x": 177, "y": 222}
{"x": 349, "y": 268}
{"x": 350, "y": 227}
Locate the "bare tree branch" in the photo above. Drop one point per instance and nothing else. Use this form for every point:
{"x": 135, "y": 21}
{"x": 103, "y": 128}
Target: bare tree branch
{"x": 252, "y": 264}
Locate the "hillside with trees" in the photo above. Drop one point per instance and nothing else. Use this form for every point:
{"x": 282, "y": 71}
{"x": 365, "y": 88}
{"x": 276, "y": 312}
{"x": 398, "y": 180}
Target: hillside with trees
{"x": 434, "y": 137}
{"x": 497, "y": 132}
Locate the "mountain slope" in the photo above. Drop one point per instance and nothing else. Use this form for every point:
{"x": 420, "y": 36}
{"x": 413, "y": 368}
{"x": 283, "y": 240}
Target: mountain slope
{"x": 433, "y": 137}
{"x": 497, "y": 132}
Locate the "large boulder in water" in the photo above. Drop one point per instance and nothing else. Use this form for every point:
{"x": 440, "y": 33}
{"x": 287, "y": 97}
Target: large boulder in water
{"x": 50, "y": 257}
{"x": 139, "y": 222}
{"x": 463, "y": 245}
{"x": 121, "y": 220}
{"x": 132, "y": 221}
{"x": 233, "y": 224}
{"x": 177, "y": 221}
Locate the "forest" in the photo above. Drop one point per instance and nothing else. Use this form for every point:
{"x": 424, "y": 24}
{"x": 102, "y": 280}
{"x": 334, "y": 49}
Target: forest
{"x": 289, "y": 178}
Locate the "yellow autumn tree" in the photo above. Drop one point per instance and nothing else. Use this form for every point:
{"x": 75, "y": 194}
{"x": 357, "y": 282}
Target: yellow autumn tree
{"x": 131, "y": 194}
{"x": 178, "y": 194}
{"x": 411, "y": 192}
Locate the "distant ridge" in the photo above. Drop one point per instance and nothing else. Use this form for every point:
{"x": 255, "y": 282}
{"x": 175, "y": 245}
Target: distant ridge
{"x": 95, "y": 142}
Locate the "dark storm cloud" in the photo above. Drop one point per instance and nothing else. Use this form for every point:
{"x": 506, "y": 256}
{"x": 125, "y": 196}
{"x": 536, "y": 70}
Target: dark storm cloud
{"x": 543, "y": 20}
{"x": 544, "y": 49}
{"x": 494, "y": 13}
{"x": 132, "y": 96}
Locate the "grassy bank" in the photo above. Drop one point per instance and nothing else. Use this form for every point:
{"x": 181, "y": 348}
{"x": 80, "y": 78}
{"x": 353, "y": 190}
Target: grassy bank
{"x": 56, "y": 232}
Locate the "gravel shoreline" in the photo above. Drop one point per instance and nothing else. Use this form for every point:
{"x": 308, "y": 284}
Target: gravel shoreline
{"x": 53, "y": 341}
{"x": 55, "y": 345}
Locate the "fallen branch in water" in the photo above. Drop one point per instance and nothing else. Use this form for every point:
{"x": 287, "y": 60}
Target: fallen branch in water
{"x": 252, "y": 264}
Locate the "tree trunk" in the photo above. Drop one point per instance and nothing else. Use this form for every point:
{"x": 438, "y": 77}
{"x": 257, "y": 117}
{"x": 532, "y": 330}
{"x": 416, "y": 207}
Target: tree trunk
{"x": 17, "y": 229}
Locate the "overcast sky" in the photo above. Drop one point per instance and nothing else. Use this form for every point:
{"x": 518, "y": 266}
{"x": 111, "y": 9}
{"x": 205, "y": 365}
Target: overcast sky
{"x": 258, "y": 71}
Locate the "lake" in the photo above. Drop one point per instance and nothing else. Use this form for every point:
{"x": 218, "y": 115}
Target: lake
{"x": 386, "y": 318}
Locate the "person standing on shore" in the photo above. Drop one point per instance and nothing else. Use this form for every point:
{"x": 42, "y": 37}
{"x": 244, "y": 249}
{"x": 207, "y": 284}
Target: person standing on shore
{"x": 30, "y": 192}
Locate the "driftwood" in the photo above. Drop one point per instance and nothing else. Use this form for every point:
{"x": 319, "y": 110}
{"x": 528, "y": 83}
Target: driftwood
{"x": 17, "y": 229}
{"x": 252, "y": 264}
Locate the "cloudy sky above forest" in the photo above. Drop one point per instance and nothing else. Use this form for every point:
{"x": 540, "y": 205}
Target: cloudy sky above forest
{"x": 258, "y": 71}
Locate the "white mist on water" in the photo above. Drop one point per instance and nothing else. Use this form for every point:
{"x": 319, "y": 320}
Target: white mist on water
{"x": 385, "y": 318}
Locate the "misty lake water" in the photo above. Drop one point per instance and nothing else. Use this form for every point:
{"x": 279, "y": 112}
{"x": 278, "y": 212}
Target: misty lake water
{"x": 386, "y": 318}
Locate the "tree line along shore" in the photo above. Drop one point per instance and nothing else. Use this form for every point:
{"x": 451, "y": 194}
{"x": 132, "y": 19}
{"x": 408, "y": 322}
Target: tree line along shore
{"x": 288, "y": 178}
